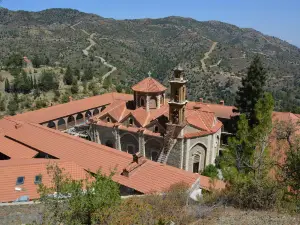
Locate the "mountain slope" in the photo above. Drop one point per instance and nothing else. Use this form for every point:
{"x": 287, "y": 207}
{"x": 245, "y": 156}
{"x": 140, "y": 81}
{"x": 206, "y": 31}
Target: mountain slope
{"x": 215, "y": 55}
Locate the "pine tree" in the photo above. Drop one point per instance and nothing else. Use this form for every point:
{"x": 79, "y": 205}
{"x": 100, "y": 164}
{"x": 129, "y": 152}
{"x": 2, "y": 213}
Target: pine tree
{"x": 7, "y": 85}
{"x": 252, "y": 90}
{"x": 68, "y": 77}
{"x": 36, "y": 61}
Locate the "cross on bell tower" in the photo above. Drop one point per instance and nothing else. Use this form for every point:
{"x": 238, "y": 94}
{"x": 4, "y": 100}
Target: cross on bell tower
{"x": 178, "y": 97}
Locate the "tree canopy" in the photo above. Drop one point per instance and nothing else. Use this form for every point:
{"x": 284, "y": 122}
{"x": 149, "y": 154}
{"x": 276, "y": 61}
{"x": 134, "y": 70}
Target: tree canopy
{"x": 252, "y": 90}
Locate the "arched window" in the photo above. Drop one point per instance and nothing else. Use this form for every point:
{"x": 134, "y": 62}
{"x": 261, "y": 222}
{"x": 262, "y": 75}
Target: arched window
{"x": 71, "y": 121}
{"x": 79, "y": 119}
{"x": 61, "y": 124}
{"x": 142, "y": 101}
{"x": 196, "y": 163}
{"x": 156, "y": 130}
{"x": 51, "y": 124}
{"x": 96, "y": 112}
{"x": 109, "y": 143}
{"x": 108, "y": 119}
{"x": 88, "y": 114}
{"x": 153, "y": 102}
{"x": 130, "y": 121}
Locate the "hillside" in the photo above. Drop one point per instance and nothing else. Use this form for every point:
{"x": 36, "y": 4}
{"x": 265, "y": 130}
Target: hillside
{"x": 215, "y": 55}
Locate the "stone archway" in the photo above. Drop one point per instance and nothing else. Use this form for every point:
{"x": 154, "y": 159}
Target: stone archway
{"x": 79, "y": 119}
{"x": 51, "y": 125}
{"x": 129, "y": 143}
{"x": 61, "y": 124}
{"x": 71, "y": 121}
{"x": 198, "y": 159}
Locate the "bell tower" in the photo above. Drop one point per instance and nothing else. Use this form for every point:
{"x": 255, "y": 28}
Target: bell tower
{"x": 178, "y": 97}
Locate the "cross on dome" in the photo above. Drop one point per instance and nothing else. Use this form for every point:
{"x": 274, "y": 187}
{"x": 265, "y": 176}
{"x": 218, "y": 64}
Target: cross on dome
{"x": 149, "y": 73}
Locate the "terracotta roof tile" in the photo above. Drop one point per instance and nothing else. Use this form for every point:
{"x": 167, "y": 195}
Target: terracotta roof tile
{"x": 15, "y": 150}
{"x": 62, "y": 110}
{"x": 92, "y": 156}
{"x": 221, "y": 111}
{"x": 149, "y": 85}
{"x": 10, "y": 170}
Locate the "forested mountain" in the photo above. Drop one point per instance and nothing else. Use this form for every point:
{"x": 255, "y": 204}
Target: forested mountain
{"x": 215, "y": 55}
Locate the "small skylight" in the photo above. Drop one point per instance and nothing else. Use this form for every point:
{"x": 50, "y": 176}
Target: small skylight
{"x": 20, "y": 180}
{"x": 38, "y": 179}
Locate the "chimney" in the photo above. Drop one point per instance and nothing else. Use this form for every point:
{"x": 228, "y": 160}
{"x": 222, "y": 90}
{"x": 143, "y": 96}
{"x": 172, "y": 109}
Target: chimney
{"x": 222, "y": 102}
{"x": 70, "y": 98}
{"x": 137, "y": 161}
{"x": 18, "y": 125}
{"x": 201, "y": 99}
{"x": 137, "y": 158}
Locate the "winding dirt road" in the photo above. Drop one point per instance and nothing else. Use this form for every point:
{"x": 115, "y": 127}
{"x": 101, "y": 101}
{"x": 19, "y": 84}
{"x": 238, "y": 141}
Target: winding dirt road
{"x": 206, "y": 55}
{"x": 92, "y": 43}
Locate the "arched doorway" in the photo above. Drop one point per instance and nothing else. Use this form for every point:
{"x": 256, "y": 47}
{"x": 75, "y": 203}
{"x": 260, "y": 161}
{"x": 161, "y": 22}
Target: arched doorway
{"x": 71, "y": 121}
{"x": 51, "y": 125}
{"x": 61, "y": 124}
{"x": 198, "y": 160}
{"x": 79, "y": 119}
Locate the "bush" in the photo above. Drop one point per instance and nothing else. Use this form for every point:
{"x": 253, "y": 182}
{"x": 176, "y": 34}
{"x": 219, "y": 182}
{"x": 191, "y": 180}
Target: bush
{"x": 249, "y": 193}
{"x": 48, "y": 81}
{"x": 210, "y": 171}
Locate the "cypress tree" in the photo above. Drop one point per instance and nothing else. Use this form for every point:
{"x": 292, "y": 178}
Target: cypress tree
{"x": 7, "y": 85}
{"x": 68, "y": 77}
{"x": 252, "y": 90}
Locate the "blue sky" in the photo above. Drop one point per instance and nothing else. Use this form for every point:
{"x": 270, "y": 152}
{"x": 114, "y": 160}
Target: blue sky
{"x": 280, "y": 18}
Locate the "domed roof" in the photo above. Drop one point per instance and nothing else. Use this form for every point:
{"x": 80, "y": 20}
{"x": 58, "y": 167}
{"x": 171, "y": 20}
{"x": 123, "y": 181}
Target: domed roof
{"x": 149, "y": 85}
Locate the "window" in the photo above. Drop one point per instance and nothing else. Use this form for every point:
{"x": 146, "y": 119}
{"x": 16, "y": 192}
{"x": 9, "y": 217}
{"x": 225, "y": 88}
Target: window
{"x": 156, "y": 129}
{"x": 20, "y": 180}
{"x": 107, "y": 119}
{"x": 38, "y": 179}
{"x": 130, "y": 121}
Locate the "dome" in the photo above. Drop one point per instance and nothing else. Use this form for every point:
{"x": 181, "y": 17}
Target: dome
{"x": 149, "y": 85}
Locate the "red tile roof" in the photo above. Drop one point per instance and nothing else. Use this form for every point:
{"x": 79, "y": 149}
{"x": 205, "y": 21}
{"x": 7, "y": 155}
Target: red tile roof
{"x": 92, "y": 156}
{"x": 149, "y": 85}
{"x": 221, "y": 111}
{"x": 62, "y": 110}
{"x": 15, "y": 150}
{"x": 10, "y": 170}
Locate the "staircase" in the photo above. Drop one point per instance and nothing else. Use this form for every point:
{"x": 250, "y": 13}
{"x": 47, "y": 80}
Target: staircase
{"x": 169, "y": 143}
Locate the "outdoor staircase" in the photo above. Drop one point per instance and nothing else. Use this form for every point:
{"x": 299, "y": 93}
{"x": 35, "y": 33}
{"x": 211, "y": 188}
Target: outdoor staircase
{"x": 169, "y": 142}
